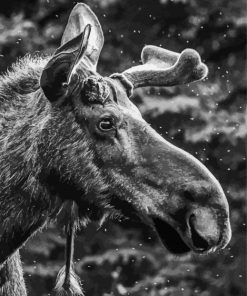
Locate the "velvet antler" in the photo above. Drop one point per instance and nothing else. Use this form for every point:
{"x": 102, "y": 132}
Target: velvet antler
{"x": 162, "y": 67}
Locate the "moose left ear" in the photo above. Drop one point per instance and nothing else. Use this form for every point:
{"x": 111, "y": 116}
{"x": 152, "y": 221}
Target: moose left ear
{"x": 81, "y": 45}
{"x": 59, "y": 78}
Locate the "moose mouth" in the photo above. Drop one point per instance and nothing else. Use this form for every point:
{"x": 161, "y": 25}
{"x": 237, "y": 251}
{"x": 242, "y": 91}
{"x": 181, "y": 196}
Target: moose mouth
{"x": 178, "y": 244}
{"x": 176, "y": 241}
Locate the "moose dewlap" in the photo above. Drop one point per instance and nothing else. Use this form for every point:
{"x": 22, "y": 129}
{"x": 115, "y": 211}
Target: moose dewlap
{"x": 73, "y": 145}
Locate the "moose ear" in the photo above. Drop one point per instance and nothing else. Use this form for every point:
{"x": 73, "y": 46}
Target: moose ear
{"x": 81, "y": 16}
{"x": 81, "y": 45}
{"x": 58, "y": 79}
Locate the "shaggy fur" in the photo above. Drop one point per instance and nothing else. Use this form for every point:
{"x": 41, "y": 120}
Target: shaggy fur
{"x": 11, "y": 278}
{"x": 31, "y": 169}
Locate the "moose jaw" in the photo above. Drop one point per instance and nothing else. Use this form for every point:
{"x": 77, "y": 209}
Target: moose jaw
{"x": 73, "y": 147}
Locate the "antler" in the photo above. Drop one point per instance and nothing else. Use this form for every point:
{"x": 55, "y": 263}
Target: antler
{"x": 162, "y": 67}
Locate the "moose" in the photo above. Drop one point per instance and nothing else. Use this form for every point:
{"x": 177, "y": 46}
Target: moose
{"x": 74, "y": 146}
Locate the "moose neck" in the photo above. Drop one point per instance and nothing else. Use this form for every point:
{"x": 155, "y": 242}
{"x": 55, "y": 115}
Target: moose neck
{"x": 22, "y": 194}
{"x": 25, "y": 201}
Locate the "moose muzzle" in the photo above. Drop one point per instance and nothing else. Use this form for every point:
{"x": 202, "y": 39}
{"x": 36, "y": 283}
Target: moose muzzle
{"x": 193, "y": 214}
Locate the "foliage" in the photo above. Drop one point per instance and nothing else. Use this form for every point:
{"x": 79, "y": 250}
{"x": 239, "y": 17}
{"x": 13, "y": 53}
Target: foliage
{"x": 206, "y": 119}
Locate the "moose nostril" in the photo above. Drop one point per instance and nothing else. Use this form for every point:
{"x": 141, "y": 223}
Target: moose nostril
{"x": 198, "y": 241}
{"x": 189, "y": 195}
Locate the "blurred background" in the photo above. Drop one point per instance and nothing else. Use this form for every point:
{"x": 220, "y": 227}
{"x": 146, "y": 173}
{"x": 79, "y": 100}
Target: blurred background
{"x": 206, "y": 118}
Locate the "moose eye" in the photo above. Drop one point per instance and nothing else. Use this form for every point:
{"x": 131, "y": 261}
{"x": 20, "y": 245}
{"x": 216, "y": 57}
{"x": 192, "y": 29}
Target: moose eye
{"x": 106, "y": 124}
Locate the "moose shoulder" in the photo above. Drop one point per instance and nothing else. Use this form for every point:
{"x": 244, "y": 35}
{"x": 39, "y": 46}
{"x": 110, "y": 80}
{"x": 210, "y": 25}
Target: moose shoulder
{"x": 71, "y": 140}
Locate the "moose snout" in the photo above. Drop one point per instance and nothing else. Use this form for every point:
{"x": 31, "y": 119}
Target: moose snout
{"x": 197, "y": 219}
{"x": 207, "y": 218}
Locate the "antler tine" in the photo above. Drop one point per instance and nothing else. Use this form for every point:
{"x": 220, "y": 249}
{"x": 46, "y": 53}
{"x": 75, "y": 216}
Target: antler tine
{"x": 153, "y": 54}
{"x": 162, "y": 67}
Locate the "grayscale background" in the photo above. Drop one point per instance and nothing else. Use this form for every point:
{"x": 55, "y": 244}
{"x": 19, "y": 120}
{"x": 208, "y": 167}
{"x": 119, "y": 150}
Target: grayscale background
{"x": 205, "y": 118}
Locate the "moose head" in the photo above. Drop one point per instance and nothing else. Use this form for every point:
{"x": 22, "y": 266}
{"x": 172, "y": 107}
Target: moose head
{"x": 80, "y": 139}
{"x": 140, "y": 171}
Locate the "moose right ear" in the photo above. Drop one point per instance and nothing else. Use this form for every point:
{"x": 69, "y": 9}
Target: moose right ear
{"x": 80, "y": 17}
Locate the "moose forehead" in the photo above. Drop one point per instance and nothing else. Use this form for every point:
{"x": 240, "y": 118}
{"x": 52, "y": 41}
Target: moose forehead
{"x": 119, "y": 94}
{"x": 111, "y": 93}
